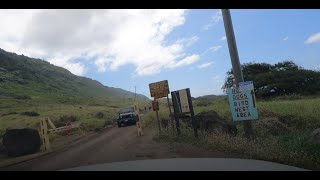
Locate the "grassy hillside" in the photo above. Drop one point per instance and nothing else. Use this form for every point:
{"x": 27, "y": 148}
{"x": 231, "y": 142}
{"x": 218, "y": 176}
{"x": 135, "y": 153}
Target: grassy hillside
{"x": 283, "y": 131}
{"x": 31, "y": 89}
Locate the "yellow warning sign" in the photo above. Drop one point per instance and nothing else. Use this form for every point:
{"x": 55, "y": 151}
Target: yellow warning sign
{"x": 159, "y": 89}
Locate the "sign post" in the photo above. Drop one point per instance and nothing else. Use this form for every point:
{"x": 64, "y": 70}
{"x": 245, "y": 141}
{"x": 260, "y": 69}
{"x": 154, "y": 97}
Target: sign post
{"x": 155, "y": 107}
{"x": 158, "y": 90}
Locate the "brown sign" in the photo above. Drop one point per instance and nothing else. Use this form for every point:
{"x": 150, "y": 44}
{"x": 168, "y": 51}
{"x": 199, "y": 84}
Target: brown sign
{"x": 155, "y": 105}
{"x": 159, "y": 89}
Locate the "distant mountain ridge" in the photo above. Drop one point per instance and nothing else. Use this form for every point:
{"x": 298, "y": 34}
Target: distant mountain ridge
{"x": 210, "y": 96}
{"x": 21, "y": 75}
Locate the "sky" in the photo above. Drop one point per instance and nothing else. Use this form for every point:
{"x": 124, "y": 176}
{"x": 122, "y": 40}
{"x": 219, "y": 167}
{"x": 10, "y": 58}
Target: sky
{"x": 127, "y": 48}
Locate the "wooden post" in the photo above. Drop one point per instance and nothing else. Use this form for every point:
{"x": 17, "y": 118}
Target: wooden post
{"x": 170, "y": 113}
{"x": 175, "y": 106}
{"x": 159, "y": 124}
{"x": 44, "y": 134}
{"x": 194, "y": 123}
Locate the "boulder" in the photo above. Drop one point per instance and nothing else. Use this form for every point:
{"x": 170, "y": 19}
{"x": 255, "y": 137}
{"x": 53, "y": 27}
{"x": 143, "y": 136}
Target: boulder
{"x": 20, "y": 142}
{"x": 210, "y": 121}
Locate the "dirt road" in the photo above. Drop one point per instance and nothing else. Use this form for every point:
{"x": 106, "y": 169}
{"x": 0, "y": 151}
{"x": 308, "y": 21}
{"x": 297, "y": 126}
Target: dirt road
{"x": 112, "y": 145}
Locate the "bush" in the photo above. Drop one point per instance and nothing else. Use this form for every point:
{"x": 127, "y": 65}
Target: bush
{"x": 203, "y": 102}
{"x": 25, "y": 97}
{"x": 293, "y": 148}
{"x": 92, "y": 124}
{"x": 30, "y": 113}
{"x": 289, "y": 97}
{"x": 2, "y": 133}
{"x": 10, "y": 113}
{"x": 107, "y": 123}
{"x": 99, "y": 115}
{"x": 62, "y": 120}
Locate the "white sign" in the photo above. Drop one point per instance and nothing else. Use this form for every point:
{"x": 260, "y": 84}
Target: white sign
{"x": 242, "y": 104}
{"x": 248, "y": 85}
{"x": 184, "y": 101}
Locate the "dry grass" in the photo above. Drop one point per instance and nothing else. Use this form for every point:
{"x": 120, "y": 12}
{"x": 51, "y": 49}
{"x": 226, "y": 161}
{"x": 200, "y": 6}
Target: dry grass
{"x": 282, "y": 132}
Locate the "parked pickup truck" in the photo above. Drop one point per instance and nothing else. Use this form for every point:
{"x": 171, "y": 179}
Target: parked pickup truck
{"x": 127, "y": 116}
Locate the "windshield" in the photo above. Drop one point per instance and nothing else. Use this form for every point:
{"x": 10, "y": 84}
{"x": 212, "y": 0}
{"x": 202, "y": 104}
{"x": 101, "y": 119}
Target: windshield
{"x": 127, "y": 110}
{"x": 96, "y": 86}
{"x": 126, "y": 116}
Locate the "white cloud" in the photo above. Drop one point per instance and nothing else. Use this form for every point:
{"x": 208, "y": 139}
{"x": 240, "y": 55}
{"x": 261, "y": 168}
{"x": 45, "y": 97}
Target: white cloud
{"x": 205, "y": 65}
{"x": 186, "y": 61}
{"x": 223, "y": 38}
{"x": 217, "y": 17}
{"x": 188, "y": 41}
{"x": 68, "y": 63}
{"x": 215, "y": 48}
{"x": 313, "y": 38}
{"x": 286, "y": 38}
{"x": 110, "y": 38}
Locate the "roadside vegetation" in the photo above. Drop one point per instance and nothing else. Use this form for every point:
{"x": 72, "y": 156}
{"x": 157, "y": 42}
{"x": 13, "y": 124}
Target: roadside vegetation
{"x": 282, "y": 131}
{"x": 93, "y": 113}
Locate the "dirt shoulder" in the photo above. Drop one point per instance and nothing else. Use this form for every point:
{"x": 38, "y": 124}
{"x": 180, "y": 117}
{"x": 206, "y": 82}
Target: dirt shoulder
{"x": 112, "y": 145}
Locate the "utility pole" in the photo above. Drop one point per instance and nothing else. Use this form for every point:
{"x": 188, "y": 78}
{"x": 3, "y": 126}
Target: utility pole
{"x": 236, "y": 68}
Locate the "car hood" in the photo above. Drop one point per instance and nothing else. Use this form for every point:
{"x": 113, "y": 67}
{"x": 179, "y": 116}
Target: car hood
{"x": 189, "y": 164}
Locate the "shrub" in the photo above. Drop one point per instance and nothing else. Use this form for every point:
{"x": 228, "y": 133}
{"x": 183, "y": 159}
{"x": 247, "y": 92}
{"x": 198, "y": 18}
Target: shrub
{"x": 62, "y": 120}
{"x": 25, "y": 97}
{"x": 30, "y": 113}
{"x": 99, "y": 115}
{"x": 10, "y": 113}
{"x": 92, "y": 124}
{"x": 203, "y": 102}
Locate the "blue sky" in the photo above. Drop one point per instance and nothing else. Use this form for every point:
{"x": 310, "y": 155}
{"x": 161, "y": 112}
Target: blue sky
{"x": 195, "y": 53}
{"x": 261, "y": 35}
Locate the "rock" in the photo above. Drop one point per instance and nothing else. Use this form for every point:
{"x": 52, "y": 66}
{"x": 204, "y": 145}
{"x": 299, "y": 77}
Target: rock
{"x": 20, "y": 142}
{"x": 315, "y": 134}
{"x": 210, "y": 121}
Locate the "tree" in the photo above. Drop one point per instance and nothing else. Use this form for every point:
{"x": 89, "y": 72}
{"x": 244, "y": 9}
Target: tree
{"x": 283, "y": 78}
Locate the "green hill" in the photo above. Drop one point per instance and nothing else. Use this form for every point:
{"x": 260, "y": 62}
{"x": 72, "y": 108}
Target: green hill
{"x": 31, "y": 89}
{"x": 22, "y": 77}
